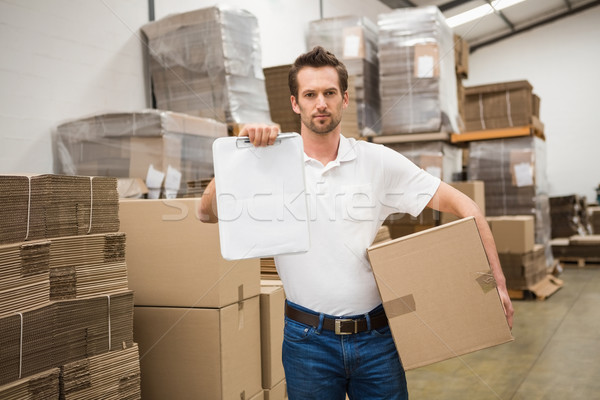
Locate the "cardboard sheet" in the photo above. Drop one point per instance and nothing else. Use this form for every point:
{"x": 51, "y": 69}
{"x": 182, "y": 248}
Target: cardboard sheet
{"x": 261, "y": 198}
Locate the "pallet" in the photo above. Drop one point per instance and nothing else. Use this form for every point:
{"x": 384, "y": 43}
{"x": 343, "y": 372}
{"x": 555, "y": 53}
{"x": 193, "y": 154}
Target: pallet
{"x": 536, "y": 128}
{"x": 540, "y": 291}
{"x": 580, "y": 261}
{"x": 410, "y": 138}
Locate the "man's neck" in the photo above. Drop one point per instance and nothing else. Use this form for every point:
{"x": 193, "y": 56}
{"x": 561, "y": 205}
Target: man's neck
{"x": 321, "y": 147}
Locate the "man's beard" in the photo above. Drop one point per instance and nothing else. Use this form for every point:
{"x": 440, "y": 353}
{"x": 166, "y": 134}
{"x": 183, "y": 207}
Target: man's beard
{"x": 318, "y": 128}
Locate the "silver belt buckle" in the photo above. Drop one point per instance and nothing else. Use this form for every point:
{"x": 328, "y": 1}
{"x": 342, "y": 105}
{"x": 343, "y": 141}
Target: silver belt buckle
{"x": 338, "y": 326}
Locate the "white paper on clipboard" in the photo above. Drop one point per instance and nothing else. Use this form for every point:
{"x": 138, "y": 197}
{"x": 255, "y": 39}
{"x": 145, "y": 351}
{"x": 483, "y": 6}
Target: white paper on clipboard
{"x": 261, "y": 199}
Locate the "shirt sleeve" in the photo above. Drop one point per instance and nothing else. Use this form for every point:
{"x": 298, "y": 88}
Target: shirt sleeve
{"x": 408, "y": 188}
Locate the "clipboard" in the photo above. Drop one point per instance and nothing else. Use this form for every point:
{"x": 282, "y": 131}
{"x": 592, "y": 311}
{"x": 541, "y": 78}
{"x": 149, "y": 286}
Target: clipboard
{"x": 261, "y": 200}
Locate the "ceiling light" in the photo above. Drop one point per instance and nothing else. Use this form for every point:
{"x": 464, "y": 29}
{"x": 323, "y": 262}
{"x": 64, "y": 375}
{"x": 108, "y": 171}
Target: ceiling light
{"x": 480, "y": 11}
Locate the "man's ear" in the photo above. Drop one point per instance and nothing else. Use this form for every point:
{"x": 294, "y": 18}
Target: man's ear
{"x": 345, "y": 100}
{"x": 294, "y": 105}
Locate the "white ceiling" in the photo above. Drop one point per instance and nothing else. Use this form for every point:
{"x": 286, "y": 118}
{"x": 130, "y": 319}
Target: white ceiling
{"x": 510, "y": 21}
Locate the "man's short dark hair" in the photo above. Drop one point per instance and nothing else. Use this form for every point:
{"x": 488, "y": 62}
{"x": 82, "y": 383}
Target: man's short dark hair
{"x": 317, "y": 57}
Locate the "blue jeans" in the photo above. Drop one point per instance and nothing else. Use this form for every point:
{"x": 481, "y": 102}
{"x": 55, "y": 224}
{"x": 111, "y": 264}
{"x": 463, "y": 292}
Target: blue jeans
{"x": 322, "y": 365}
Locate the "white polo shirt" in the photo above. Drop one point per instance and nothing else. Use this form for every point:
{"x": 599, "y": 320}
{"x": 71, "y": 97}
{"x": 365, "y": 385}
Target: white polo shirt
{"x": 348, "y": 200}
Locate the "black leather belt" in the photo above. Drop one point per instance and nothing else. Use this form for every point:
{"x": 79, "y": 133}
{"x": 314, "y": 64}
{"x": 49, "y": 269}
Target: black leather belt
{"x": 341, "y": 326}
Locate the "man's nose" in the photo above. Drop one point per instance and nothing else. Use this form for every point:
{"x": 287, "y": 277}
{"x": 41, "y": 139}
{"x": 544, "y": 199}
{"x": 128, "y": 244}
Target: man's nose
{"x": 321, "y": 101}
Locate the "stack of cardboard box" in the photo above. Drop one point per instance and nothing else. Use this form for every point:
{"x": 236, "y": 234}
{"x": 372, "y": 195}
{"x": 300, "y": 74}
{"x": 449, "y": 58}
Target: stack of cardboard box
{"x": 404, "y": 224}
{"x": 461, "y": 60}
{"x": 353, "y": 40}
{"x": 501, "y": 105}
{"x": 417, "y": 72}
{"x": 278, "y": 92}
{"x": 577, "y": 248}
{"x": 152, "y": 145}
{"x": 197, "y": 316}
{"x": 523, "y": 262}
{"x": 442, "y": 160}
{"x": 569, "y": 216}
{"x": 65, "y": 299}
{"x": 594, "y": 218}
{"x": 207, "y": 63}
{"x": 514, "y": 172}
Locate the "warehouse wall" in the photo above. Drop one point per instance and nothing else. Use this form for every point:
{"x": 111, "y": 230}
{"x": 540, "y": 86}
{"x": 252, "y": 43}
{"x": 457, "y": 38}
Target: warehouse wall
{"x": 63, "y": 59}
{"x": 283, "y": 23}
{"x": 561, "y": 61}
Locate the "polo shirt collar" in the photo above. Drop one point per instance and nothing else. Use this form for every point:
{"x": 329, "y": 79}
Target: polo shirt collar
{"x": 346, "y": 151}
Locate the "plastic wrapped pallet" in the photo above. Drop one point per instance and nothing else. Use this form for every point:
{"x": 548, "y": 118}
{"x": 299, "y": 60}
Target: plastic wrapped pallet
{"x": 353, "y": 39}
{"x": 514, "y": 172}
{"x": 207, "y": 63}
{"x": 123, "y": 145}
{"x": 440, "y": 159}
{"x": 569, "y": 216}
{"x": 278, "y": 91}
{"x": 417, "y": 72}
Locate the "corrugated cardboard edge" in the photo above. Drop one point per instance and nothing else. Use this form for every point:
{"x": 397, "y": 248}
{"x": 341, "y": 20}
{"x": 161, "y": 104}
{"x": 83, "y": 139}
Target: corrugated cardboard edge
{"x": 471, "y": 350}
{"x": 445, "y": 226}
{"x": 546, "y": 287}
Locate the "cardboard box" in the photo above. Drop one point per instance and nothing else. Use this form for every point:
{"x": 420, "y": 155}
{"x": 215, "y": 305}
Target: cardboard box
{"x": 442, "y": 303}
{"x": 272, "y": 301}
{"x": 461, "y": 56}
{"x": 174, "y": 259}
{"x": 475, "y": 190}
{"x": 278, "y": 392}
{"x": 259, "y": 396}
{"x": 199, "y": 353}
{"x": 513, "y": 233}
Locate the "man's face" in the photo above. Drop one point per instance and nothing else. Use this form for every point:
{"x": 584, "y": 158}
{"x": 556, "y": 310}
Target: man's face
{"x": 320, "y": 101}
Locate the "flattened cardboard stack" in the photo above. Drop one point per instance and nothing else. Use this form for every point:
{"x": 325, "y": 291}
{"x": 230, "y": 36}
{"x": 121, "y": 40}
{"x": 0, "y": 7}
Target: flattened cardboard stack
{"x": 208, "y": 63}
{"x": 278, "y": 92}
{"x": 353, "y": 40}
{"x": 24, "y": 277}
{"x": 440, "y": 304}
{"x": 514, "y": 172}
{"x": 594, "y": 218}
{"x": 131, "y": 144}
{"x": 268, "y": 269}
{"x": 39, "y": 333}
{"x": 417, "y": 72}
{"x": 575, "y": 248}
{"x": 107, "y": 376}
{"x": 197, "y": 316}
{"x": 569, "y": 216}
{"x": 500, "y": 105}
{"x": 196, "y": 188}
{"x": 44, "y": 385}
{"x": 46, "y": 206}
{"x": 442, "y": 160}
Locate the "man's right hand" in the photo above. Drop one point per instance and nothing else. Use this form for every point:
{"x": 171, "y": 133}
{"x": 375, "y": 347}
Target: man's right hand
{"x": 260, "y": 134}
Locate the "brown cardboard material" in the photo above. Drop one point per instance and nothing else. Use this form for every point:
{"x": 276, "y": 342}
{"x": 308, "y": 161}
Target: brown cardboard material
{"x": 272, "y": 300}
{"x": 199, "y": 353}
{"x": 513, "y": 233}
{"x": 278, "y": 392}
{"x": 259, "y": 396}
{"x": 174, "y": 259}
{"x": 476, "y": 192}
{"x": 454, "y": 310}
{"x": 429, "y": 51}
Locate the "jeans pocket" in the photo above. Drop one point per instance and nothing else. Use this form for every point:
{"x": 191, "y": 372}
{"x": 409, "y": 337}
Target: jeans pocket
{"x": 296, "y": 332}
{"x": 382, "y": 332}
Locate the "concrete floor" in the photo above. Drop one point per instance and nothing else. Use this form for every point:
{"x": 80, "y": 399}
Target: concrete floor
{"x": 555, "y": 354}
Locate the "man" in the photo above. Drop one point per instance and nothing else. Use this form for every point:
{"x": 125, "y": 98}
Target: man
{"x": 336, "y": 338}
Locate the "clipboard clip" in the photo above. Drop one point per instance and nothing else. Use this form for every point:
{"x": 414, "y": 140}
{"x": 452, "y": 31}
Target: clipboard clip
{"x": 244, "y": 141}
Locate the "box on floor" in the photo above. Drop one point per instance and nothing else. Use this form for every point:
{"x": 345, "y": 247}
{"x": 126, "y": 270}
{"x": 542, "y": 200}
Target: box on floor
{"x": 192, "y": 353}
